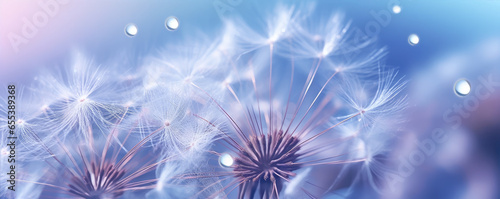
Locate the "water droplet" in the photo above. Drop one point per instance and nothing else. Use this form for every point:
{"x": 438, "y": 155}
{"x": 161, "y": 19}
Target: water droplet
{"x": 462, "y": 87}
{"x": 413, "y": 39}
{"x": 225, "y": 160}
{"x": 396, "y": 9}
{"x": 172, "y": 23}
{"x": 131, "y": 30}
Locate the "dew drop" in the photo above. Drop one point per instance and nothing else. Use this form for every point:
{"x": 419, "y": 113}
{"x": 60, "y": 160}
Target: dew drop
{"x": 413, "y": 39}
{"x": 225, "y": 160}
{"x": 172, "y": 23}
{"x": 462, "y": 87}
{"x": 396, "y": 9}
{"x": 130, "y": 30}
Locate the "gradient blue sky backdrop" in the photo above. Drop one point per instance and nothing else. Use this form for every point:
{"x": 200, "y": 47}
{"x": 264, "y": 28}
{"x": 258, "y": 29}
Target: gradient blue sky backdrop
{"x": 458, "y": 39}
{"x": 97, "y": 27}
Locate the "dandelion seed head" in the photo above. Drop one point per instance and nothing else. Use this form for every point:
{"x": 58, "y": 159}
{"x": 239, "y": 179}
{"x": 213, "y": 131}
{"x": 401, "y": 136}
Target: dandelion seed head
{"x": 101, "y": 184}
{"x": 281, "y": 129}
{"x": 267, "y": 168}
{"x": 99, "y": 169}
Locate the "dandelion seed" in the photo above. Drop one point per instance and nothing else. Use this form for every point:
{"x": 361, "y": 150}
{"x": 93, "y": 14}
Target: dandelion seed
{"x": 274, "y": 30}
{"x": 82, "y": 98}
{"x": 30, "y": 123}
{"x": 180, "y": 65}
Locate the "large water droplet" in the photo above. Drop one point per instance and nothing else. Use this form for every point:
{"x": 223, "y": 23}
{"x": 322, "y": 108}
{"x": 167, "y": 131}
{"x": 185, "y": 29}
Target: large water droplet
{"x": 413, "y": 39}
{"x": 131, "y": 30}
{"x": 462, "y": 87}
{"x": 172, "y": 23}
{"x": 396, "y": 9}
{"x": 225, "y": 160}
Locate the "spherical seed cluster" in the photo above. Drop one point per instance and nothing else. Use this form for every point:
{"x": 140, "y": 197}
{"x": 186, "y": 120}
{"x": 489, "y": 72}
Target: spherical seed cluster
{"x": 98, "y": 181}
{"x": 266, "y": 162}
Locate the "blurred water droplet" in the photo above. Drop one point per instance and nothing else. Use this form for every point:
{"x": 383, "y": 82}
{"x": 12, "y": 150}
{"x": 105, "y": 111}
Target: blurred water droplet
{"x": 396, "y": 9}
{"x": 131, "y": 30}
{"x": 413, "y": 39}
{"x": 462, "y": 87}
{"x": 172, "y": 23}
{"x": 225, "y": 160}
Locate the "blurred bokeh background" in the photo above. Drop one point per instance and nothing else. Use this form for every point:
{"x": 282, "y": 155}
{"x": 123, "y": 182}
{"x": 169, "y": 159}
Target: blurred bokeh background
{"x": 450, "y": 145}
